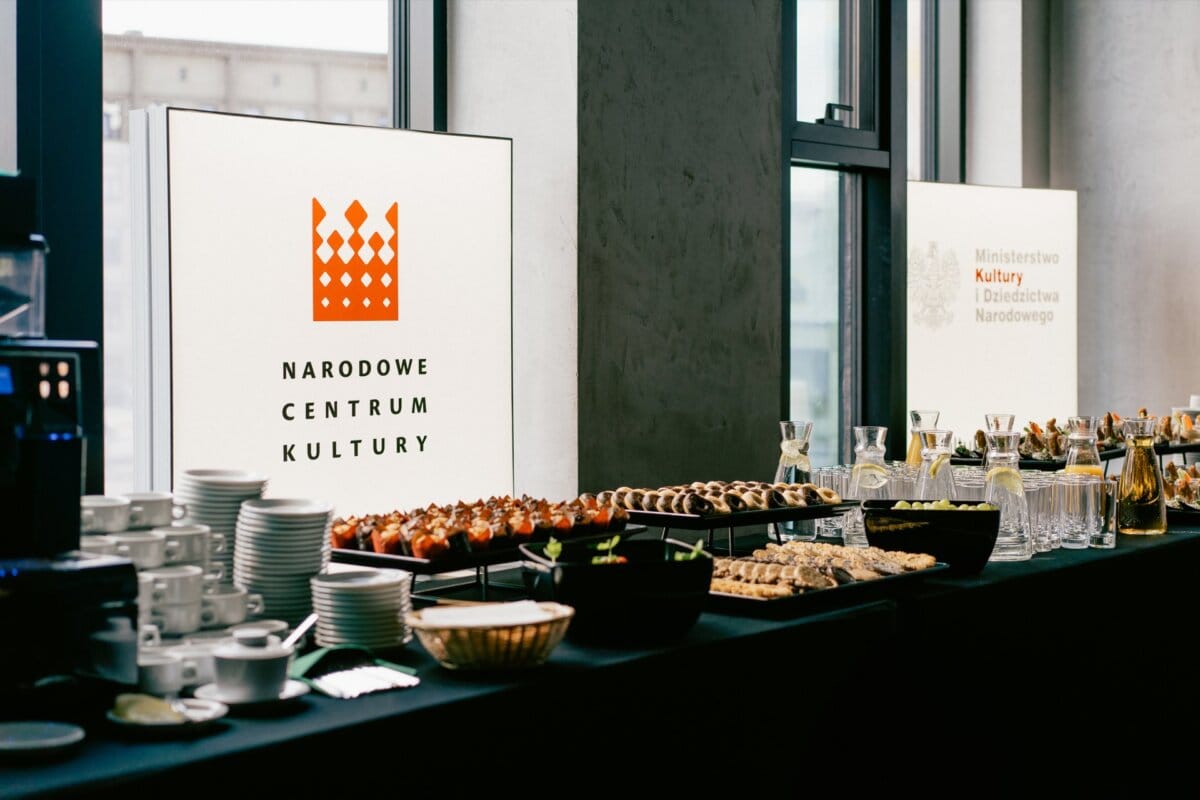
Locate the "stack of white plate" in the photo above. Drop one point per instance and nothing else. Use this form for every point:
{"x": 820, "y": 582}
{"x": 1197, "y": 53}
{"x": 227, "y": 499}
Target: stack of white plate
{"x": 213, "y": 497}
{"x": 364, "y": 607}
{"x": 280, "y": 545}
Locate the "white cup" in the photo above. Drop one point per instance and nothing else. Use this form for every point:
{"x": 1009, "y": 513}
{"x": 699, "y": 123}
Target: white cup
{"x": 146, "y": 549}
{"x": 200, "y": 656}
{"x": 164, "y": 673}
{"x": 151, "y": 509}
{"x": 99, "y": 544}
{"x": 180, "y": 618}
{"x": 254, "y": 667}
{"x": 114, "y": 649}
{"x": 192, "y": 542}
{"x": 180, "y": 584}
{"x": 231, "y": 605}
{"x": 103, "y": 514}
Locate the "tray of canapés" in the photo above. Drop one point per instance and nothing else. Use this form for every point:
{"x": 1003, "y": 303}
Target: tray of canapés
{"x": 1181, "y": 486}
{"x": 445, "y": 538}
{"x": 796, "y": 578}
{"x": 1045, "y": 446}
{"x": 707, "y": 505}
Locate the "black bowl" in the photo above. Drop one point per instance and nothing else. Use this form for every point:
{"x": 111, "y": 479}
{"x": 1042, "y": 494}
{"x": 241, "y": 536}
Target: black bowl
{"x": 652, "y": 598}
{"x": 964, "y": 540}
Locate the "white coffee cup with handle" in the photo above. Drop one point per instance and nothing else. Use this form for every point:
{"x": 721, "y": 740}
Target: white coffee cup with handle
{"x": 231, "y": 605}
{"x": 193, "y": 542}
{"x": 146, "y": 549}
{"x": 164, "y": 674}
{"x": 103, "y": 513}
{"x": 176, "y": 619}
{"x": 180, "y": 584}
{"x": 152, "y": 509}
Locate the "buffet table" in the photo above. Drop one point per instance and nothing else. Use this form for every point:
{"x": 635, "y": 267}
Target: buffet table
{"x": 1058, "y": 662}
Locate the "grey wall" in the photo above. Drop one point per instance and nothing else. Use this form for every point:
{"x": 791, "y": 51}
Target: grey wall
{"x": 1126, "y": 134}
{"x": 680, "y": 240}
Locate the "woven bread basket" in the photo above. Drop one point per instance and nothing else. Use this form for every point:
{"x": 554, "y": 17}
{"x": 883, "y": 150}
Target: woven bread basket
{"x": 493, "y": 648}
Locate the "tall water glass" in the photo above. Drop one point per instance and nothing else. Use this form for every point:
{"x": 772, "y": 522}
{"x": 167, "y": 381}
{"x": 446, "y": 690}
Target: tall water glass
{"x": 1080, "y": 510}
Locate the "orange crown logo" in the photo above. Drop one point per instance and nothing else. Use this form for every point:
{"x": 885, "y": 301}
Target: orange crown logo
{"x": 355, "y": 278}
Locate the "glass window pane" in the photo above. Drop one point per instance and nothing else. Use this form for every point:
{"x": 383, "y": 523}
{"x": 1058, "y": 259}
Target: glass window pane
{"x": 818, "y": 73}
{"x": 828, "y": 53}
{"x": 302, "y": 59}
{"x": 915, "y": 88}
{"x": 815, "y": 363}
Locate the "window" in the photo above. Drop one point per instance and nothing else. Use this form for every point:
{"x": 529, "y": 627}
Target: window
{"x": 844, "y": 239}
{"x": 304, "y": 59}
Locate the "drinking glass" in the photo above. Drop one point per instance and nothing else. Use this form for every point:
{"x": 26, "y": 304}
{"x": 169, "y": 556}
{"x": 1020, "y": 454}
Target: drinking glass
{"x": 1106, "y": 537}
{"x": 1080, "y": 509}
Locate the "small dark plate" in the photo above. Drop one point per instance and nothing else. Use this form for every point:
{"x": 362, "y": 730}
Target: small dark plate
{"x": 815, "y": 602}
{"x": 963, "y": 540}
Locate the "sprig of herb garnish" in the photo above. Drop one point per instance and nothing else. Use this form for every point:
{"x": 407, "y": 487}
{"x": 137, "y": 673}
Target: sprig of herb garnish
{"x": 690, "y": 555}
{"x": 553, "y": 549}
{"x": 608, "y": 545}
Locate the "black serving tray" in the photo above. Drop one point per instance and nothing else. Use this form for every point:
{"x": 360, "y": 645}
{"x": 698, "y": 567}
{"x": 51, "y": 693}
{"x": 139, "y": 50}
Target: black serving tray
{"x": 1184, "y": 517}
{"x": 454, "y": 562}
{"x": 737, "y": 519}
{"x": 820, "y": 600}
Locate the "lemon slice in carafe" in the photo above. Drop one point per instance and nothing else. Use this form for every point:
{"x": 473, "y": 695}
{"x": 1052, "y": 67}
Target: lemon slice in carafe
{"x": 1005, "y": 478}
{"x": 936, "y": 466}
{"x": 794, "y": 455}
{"x": 869, "y": 476}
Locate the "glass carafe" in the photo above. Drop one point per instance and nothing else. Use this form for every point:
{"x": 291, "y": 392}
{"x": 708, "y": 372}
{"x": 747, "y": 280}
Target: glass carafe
{"x": 936, "y": 481}
{"x": 794, "y": 467}
{"x": 921, "y": 421}
{"x": 869, "y": 478}
{"x": 1005, "y": 488}
{"x": 997, "y": 422}
{"x": 1141, "y": 505}
{"x": 1083, "y": 457}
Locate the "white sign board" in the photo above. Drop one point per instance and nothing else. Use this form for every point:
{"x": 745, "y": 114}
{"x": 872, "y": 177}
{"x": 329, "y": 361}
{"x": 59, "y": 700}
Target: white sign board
{"x": 339, "y": 308}
{"x": 992, "y": 317}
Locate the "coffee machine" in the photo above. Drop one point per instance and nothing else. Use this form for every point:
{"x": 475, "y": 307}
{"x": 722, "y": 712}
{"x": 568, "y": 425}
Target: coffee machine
{"x": 53, "y": 597}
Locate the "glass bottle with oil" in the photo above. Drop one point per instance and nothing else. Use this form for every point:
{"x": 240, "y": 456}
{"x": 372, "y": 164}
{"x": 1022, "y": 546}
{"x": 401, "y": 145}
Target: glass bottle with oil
{"x": 921, "y": 421}
{"x": 1141, "y": 504}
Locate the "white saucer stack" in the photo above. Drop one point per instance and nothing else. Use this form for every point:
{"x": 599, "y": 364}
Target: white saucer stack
{"x": 280, "y": 545}
{"x": 364, "y": 607}
{"x": 213, "y": 497}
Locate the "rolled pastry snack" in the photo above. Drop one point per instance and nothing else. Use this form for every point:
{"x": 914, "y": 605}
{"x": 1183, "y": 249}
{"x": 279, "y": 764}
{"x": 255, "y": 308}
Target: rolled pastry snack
{"x": 696, "y": 504}
{"x": 649, "y": 500}
{"x": 633, "y": 500}
{"x": 777, "y": 499}
{"x": 664, "y": 501}
{"x": 794, "y": 498}
{"x": 767, "y": 591}
{"x": 754, "y": 499}
{"x": 718, "y": 503}
{"x": 605, "y": 498}
{"x": 828, "y": 495}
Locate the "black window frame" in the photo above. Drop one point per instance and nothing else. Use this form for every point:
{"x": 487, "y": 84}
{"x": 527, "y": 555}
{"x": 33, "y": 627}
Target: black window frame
{"x": 876, "y": 267}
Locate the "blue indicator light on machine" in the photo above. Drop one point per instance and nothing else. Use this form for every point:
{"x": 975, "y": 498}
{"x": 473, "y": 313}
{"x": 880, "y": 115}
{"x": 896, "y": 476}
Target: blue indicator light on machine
{"x": 54, "y": 437}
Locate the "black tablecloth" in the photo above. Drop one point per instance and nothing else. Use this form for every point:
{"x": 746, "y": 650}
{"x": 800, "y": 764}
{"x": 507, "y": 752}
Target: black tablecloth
{"x": 1073, "y": 663}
